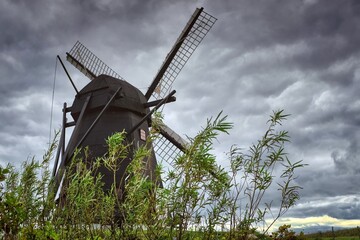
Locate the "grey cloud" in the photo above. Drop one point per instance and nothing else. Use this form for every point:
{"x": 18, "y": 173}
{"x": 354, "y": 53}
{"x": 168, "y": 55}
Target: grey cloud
{"x": 329, "y": 30}
{"x": 348, "y": 161}
{"x": 319, "y": 182}
{"x": 341, "y": 207}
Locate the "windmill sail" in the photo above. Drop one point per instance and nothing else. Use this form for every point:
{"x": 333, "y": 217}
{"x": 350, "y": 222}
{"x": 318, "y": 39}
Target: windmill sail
{"x": 194, "y": 32}
{"x": 165, "y": 150}
{"x": 168, "y": 144}
{"x": 88, "y": 63}
{"x": 173, "y": 137}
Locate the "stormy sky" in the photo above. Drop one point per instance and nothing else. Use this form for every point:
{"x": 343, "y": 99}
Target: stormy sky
{"x": 299, "y": 55}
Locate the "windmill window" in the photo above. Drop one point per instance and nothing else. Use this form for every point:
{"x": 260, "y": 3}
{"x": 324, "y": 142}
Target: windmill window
{"x": 142, "y": 134}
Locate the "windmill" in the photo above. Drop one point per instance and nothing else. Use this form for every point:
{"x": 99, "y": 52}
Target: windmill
{"x": 109, "y": 104}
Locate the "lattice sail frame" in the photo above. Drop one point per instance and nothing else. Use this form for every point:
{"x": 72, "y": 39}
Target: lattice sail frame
{"x": 88, "y": 63}
{"x": 168, "y": 145}
{"x": 166, "y": 151}
{"x": 197, "y": 33}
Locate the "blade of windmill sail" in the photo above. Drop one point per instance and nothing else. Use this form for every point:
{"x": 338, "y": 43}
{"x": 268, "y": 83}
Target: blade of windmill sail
{"x": 168, "y": 144}
{"x": 88, "y": 63}
{"x": 194, "y": 32}
{"x": 173, "y": 137}
{"x": 166, "y": 151}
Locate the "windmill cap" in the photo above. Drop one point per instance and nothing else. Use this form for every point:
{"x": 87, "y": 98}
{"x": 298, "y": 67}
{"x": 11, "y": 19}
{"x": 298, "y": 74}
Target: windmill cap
{"x": 101, "y": 89}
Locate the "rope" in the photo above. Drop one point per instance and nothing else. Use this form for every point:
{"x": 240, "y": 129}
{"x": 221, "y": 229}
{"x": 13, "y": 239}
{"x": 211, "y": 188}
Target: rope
{"x": 52, "y": 101}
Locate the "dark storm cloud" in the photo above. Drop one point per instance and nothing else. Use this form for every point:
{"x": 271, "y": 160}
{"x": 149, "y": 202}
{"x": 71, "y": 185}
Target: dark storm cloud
{"x": 348, "y": 161}
{"x": 340, "y": 207}
{"x": 329, "y": 29}
{"x": 333, "y": 33}
{"x": 321, "y": 182}
{"x": 44, "y": 25}
{"x": 330, "y": 190}
{"x": 257, "y": 46}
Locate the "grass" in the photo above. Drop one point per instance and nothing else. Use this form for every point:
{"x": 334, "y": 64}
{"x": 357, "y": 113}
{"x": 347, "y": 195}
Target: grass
{"x": 336, "y": 238}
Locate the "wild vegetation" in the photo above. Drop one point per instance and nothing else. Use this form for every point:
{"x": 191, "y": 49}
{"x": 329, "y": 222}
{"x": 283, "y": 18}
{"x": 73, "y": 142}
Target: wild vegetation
{"x": 199, "y": 198}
